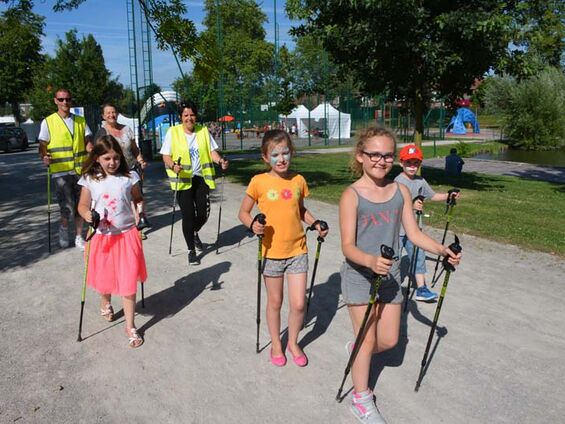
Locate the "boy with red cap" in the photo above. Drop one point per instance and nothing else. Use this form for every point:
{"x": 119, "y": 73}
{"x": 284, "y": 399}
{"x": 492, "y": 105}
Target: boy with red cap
{"x": 411, "y": 158}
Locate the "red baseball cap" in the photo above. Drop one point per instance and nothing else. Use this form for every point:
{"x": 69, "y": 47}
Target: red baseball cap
{"x": 411, "y": 152}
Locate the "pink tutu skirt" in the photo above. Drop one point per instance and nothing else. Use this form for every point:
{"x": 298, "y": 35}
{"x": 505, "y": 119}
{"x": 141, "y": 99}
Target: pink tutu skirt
{"x": 116, "y": 263}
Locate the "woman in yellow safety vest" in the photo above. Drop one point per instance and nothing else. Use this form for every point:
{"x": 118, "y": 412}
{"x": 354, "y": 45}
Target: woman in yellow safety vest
{"x": 193, "y": 177}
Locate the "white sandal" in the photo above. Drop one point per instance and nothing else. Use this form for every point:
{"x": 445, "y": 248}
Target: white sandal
{"x": 134, "y": 339}
{"x": 107, "y": 313}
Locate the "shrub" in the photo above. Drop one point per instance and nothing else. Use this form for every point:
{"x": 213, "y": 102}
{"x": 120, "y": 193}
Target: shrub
{"x": 532, "y": 111}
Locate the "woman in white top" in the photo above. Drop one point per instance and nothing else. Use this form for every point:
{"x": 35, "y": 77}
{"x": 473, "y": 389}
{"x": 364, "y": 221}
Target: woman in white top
{"x": 126, "y": 139}
{"x": 123, "y": 134}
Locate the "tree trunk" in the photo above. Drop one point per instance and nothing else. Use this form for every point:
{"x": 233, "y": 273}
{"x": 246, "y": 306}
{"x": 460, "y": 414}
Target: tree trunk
{"x": 419, "y": 108}
{"x": 16, "y": 112}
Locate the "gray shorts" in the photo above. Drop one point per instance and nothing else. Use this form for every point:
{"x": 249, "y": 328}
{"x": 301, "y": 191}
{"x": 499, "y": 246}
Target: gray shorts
{"x": 356, "y": 286}
{"x": 278, "y": 267}
{"x": 67, "y": 191}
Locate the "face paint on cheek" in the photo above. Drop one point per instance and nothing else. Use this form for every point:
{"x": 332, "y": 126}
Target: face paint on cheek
{"x": 274, "y": 160}
{"x": 286, "y": 157}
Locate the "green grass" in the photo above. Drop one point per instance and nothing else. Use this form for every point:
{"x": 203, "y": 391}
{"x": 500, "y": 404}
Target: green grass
{"x": 522, "y": 212}
{"x": 489, "y": 121}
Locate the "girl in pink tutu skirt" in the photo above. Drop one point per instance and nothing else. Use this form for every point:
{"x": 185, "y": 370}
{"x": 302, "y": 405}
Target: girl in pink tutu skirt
{"x": 115, "y": 261}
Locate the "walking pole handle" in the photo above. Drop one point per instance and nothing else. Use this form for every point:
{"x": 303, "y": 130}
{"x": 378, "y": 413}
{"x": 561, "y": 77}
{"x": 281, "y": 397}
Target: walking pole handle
{"x": 415, "y": 199}
{"x": 450, "y": 201}
{"x": 323, "y": 226}
{"x": 456, "y": 248}
{"x": 94, "y": 224}
{"x": 418, "y": 197}
{"x": 261, "y": 218}
{"x": 387, "y": 252}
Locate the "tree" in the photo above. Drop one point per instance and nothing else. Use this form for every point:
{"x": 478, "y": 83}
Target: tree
{"x": 241, "y": 56}
{"x": 411, "y": 50}
{"x": 20, "y": 44}
{"x": 285, "y": 82}
{"x": 79, "y": 66}
{"x": 538, "y": 38}
{"x": 313, "y": 70}
{"x": 166, "y": 18}
{"x": 532, "y": 110}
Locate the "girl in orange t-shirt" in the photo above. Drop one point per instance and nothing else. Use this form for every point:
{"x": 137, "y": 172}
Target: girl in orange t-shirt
{"x": 279, "y": 195}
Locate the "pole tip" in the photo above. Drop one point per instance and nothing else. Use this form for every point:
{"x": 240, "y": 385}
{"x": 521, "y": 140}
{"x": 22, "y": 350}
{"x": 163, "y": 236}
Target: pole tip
{"x": 79, "y": 339}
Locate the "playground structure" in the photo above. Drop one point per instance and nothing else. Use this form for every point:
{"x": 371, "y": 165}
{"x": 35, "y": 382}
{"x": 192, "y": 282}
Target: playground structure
{"x": 463, "y": 117}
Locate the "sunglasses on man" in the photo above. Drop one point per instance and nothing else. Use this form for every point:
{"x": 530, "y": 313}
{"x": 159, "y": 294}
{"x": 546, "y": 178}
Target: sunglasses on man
{"x": 64, "y": 99}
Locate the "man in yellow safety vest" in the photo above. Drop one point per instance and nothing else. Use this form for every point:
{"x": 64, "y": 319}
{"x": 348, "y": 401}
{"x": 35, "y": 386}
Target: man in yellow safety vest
{"x": 64, "y": 143}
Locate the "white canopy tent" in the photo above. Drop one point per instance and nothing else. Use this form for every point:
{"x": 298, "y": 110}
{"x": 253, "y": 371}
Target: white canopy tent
{"x": 338, "y": 123}
{"x": 295, "y": 117}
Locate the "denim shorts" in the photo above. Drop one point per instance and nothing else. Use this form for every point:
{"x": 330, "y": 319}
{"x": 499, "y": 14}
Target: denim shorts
{"x": 420, "y": 257}
{"x": 357, "y": 282}
{"x": 278, "y": 267}
{"x": 67, "y": 191}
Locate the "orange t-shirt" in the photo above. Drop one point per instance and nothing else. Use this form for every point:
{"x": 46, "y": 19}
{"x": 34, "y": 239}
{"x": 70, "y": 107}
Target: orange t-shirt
{"x": 279, "y": 199}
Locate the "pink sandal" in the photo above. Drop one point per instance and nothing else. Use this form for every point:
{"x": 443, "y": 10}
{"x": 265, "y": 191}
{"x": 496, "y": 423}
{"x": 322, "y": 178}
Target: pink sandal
{"x": 107, "y": 312}
{"x": 134, "y": 339}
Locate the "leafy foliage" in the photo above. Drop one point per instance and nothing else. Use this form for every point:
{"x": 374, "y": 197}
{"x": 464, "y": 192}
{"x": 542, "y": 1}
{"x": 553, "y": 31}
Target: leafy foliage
{"x": 166, "y": 18}
{"x": 414, "y": 51}
{"x": 538, "y": 38}
{"x": 532, "y": 111}
{"x": 79, "y": 66}
{"x": 240, "y": 54}
{"x": 20, "y": 44}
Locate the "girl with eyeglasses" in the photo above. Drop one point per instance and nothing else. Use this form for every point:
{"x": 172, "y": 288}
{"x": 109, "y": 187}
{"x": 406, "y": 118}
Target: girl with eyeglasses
{"x": 371, "y": 212}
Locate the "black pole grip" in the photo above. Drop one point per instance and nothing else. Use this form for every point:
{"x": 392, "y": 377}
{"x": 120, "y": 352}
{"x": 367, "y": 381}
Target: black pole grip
{"x": 418, "y": 197}
{"x": 323, "y": 225}
{"x": 456, "y": 248}
{"x": 451, "y": 196}
{"x": 387, "y": 252}
{"x": 261, "y": 218}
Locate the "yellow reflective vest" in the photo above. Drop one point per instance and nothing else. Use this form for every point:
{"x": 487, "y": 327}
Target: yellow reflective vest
{"x": 68, "y": 151}
{"x": 179, "y": 148}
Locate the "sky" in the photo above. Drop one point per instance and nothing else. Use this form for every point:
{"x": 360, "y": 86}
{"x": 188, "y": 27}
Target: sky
{"x": 106, "y": 20}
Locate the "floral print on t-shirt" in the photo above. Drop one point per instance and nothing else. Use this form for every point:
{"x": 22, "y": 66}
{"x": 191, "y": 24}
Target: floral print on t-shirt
{"x": 284, "y": 194}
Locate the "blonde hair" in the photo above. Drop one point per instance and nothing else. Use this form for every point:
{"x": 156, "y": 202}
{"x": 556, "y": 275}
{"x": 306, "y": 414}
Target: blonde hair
{"x": 364, "y": 136}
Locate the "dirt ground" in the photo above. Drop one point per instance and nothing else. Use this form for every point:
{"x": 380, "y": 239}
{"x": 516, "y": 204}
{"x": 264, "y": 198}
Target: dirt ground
{"x": 498, "y": 357}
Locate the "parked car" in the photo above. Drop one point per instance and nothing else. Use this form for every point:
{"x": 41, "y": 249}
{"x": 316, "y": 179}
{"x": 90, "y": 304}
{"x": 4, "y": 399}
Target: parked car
{"x": 13, "y": 138}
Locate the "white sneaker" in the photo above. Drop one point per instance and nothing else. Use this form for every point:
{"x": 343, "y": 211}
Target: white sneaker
{"x": 364, "y": 408}
{"x": 63, "y": 236}
{"x": 79, "y": 242}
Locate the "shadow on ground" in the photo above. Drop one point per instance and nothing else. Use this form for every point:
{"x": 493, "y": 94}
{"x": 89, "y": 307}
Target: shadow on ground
{"x": 182, "y": 293}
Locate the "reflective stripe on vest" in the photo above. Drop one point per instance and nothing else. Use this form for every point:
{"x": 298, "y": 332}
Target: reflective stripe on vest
{"x": 67, "y": 151}
{"x": 179, "y": 148}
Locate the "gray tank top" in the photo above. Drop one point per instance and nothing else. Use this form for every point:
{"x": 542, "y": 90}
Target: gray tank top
{"x": 377, "y": 224}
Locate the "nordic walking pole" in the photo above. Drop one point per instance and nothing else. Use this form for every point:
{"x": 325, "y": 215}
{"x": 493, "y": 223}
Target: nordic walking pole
{"x": 141, "y": 225}
{"x": 456, "y": 248}
{"x": 175, "y": 191}
{"x": 220, "y": 213}
{"x": 261, "y": 218}
{"x": 388, "y": 253}
{"x": 48, "y": 208}
{"x": 449, "y": 204}
{"x": 323, "y": 227}
{"x": 413, "y": 261}
{"x": 91, "y": 231}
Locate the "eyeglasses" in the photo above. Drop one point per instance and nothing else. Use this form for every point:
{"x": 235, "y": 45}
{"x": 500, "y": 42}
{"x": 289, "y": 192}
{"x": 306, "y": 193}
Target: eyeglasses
{"x": 64, "y": 99}
{"x": 377, "y": 156}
